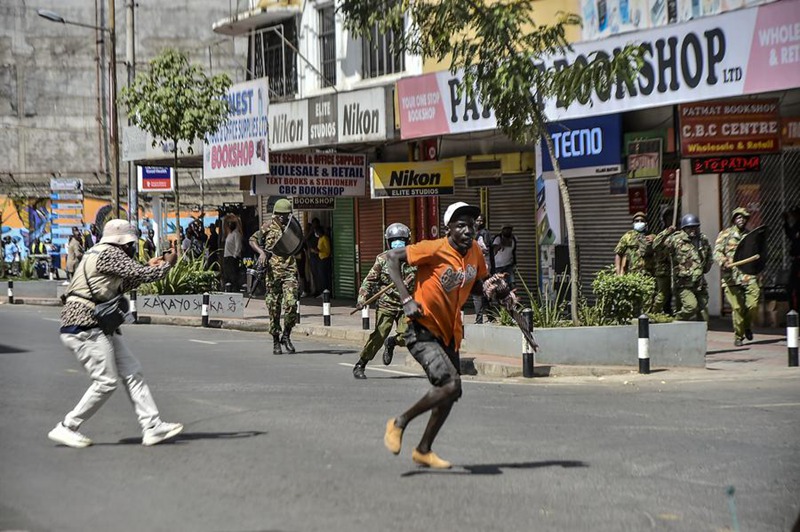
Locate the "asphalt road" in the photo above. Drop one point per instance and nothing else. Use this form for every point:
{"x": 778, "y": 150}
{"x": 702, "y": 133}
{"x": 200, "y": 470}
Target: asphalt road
{"x": 294, "y": 443}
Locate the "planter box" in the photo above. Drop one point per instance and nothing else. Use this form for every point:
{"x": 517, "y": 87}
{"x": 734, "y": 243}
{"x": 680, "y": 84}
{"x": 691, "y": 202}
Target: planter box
{"x": 681, "y": 343}
{"x": 220, "y": 305}
{"x": 36, "y": 289}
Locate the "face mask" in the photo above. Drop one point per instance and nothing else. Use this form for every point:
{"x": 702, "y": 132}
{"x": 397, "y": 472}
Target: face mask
{"x": 639, "y": 226}
{"x": 395, "y": 244}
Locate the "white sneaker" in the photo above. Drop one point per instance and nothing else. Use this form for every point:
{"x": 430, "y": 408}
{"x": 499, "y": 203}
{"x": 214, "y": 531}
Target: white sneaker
{"x": 68, "y": 437}
{"x": 161, "y": 432}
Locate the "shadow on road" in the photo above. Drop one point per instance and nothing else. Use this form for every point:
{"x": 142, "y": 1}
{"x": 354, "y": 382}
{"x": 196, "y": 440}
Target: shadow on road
{"x": 326, "y": 352}
{"x": 495, "y": 469}
{"x": 192, "y": 436}
{"x": 9, "y": 350}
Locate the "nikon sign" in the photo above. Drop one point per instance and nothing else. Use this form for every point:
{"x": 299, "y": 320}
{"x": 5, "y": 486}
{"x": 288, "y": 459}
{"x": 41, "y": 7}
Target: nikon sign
{"x": 405, "y": 180}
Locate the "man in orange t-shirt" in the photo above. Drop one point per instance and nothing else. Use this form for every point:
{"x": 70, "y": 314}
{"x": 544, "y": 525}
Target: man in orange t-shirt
{"x": 447, "y": 271}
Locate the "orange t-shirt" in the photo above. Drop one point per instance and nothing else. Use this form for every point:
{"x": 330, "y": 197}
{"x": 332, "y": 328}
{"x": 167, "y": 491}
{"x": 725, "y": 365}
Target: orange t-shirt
{"x": 444, "y": 282}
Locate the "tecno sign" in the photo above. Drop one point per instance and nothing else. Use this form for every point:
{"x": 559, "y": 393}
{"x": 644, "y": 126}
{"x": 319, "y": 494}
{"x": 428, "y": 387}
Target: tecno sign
{"x": 585, "y": 147}
{"x": 578, "y": 143}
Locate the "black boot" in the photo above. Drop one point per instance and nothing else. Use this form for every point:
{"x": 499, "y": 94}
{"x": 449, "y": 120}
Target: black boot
{"x": 276, "y": 345}
{"x": 358, "y": 369}
{"x": 287, "y": 341}
{"x": 388, "y": 350}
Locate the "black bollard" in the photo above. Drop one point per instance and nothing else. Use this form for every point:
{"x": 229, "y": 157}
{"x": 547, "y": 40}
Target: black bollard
{"x": 791, "y": 337}
{"x": 644, "y": 344}
{"x": 204, "y": 310}
{"x": 11, "y": 292}
{"x": 134, "y": 313}
{"x": 298, "y": 311}
{"x": 365, "y": 318}
{"x": 463, "y": 325}
{"x": 527, "y": 350}
{"x": 326, "y": 308}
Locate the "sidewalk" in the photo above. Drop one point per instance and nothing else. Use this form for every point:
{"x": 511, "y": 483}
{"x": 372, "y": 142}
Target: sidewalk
{"x": 767, "y": 351}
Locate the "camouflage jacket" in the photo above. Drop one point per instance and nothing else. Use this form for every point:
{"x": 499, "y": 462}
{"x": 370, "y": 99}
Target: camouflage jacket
{"x": 690, "y": 260}
{"x": 378, "y": 277}
{"x": 279, "y": 267}
{"x": 724, "y": 250}
{"x": 638, "y": 251}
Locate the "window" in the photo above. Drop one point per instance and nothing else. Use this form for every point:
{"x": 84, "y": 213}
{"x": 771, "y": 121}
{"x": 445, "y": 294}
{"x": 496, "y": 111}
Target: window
{"x": 380, "y": 54}
{"x": 327, "y": 45}
{"x": 272, "y": 56}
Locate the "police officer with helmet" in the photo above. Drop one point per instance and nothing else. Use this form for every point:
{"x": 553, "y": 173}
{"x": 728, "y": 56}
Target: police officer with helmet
{"x": 691, "y": 260}
{"x": 389, "y": 308}
{"x": 281, "y": 277}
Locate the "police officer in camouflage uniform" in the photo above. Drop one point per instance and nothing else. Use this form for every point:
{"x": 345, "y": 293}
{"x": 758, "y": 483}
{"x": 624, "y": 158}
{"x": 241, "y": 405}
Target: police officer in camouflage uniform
{"x": 741, "y": 290}
{"x": 634, "y": 251}
{"x": 389, "y": 311}
{"x": 281, "y": 280}
{"x": 663, "y": 274}
{"x": 690, "y": 252}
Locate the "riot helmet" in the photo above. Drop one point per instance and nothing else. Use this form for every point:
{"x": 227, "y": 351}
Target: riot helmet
{"x": 397, "y": 234}
{"x": 689, "y": 220}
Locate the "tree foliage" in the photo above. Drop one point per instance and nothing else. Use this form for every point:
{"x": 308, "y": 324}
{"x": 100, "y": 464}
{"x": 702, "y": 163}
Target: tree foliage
{"x": 508, "y": 63}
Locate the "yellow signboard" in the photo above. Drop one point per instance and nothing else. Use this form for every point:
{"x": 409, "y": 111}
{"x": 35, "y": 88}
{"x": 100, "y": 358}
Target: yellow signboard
{"x": 406, "y": 180}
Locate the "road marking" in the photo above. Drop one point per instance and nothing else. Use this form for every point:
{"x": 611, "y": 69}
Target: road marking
{"x": 202, "y": 341}
{"x": 383, "y": 369}
{"x": 52, "y": 319}
{"x": 764, "y": 405}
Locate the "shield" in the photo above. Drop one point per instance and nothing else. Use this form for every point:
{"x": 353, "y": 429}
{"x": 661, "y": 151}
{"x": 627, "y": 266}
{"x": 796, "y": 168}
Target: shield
{"x": 291, "y": 240}
{"x": 753, "y": 243}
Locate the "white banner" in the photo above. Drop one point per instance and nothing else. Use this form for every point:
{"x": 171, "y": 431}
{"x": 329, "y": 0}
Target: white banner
{"x": 239, "y": 148}
{"x": 313, "y": 175}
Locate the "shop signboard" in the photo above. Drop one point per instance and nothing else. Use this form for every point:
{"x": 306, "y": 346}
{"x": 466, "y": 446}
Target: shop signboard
{"x": 729, "y": 127}
{"x": 790, "y": 131}
{"x": 644, "y": 159}
{"x": 154, "y": 179}
{"x": 747, "y": 51}
{"x": 726, "y": 165}
{"x": 313, "y": 175}
{"x": 361, "y": 116}
{"x": 313, "y": 203}
{"x": 60, "y": 184}
{"x": 322, "y": 112}
{"x": 288, "y": 126}
{"x": 405, "y": 180}
{"x": 585, "y": 147}
{"x": 669, "y": 178}
{"x": 239, "y": 147}
{"x": 637, "y": 198}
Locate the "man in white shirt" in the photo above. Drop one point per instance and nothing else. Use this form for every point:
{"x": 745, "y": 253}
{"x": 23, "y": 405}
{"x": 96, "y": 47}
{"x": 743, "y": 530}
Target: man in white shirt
{"x": 504, "y": 246}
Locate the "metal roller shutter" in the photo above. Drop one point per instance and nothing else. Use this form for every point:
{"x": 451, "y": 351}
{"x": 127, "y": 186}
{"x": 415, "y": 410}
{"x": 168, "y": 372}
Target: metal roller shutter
{"x": 370, "y": 232}
{"x": 471, "y": 196}
{"x": 514, "y": 203}
{"x": 600, "y": 220}
{"x": 344, "y": 244}
{"x": 397, "y": 210}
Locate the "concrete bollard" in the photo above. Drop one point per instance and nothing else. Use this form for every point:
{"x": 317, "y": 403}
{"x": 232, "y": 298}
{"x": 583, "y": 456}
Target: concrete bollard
{"x": 463, "y": 325}
{"x": 204, "y": 309}
{"x": 365, "y": 318}
{"x": 298, "y": 311}
{"x": 644, "y": 344}
{"x": 791, "y": 337}
{"x": 527, "y": 350}
{"x": 11, "y": 292}
{"x": 326, "y": 308}
{"x": 134, "y": 312}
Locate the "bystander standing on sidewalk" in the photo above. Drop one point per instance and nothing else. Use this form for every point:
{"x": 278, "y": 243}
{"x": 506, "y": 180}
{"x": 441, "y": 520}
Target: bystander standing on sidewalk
{"x": 232, "y": 253}
{"x": 484, "y": 240}
{"x": 106, "y": 271}
{"x": 504, "y": 248}
{"x": 389, "y": 311}
{"x": 75, "y": 252}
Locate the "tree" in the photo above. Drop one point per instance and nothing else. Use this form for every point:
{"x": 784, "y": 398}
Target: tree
{"x": 177, "y": 101}
{"x": 502, "y": 52}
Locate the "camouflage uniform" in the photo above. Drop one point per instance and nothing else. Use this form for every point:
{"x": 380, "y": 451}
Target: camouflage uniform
{"x": 741, "y": 289}
{"x": 389, "y": 309}
{"x": 663, "y": 275}
{"x": 690, "y": 262}
{"x": 281, "y": 281}
{"x": 639, "y": 252}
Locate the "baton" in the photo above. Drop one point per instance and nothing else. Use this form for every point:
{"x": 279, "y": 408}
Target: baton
{"x": 742, "y": 262}
{"x": 381, "y": 292}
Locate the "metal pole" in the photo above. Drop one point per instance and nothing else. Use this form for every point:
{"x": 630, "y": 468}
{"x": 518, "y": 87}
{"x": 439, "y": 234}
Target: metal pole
{"x": 204, "y": 310}
{"x": 644, "y": 344}
{"x": 130, "y": 60}
{"x": 791, "y": 337}
{"x": 527, "y": 351}
{"x": 326, "y": 308}
{"x": 114, "y": 118}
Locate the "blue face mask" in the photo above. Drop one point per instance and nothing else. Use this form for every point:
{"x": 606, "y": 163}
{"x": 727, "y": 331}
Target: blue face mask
{"x": 395, "y": 244}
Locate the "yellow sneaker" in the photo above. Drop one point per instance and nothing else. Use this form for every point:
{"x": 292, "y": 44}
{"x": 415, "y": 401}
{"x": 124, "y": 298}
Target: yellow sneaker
{"x": 393, "y": 438}
{"x": 430, "y": 460}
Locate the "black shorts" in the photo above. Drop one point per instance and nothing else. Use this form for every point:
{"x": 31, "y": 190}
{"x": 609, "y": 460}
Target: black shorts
{"x": 440, "y": 362}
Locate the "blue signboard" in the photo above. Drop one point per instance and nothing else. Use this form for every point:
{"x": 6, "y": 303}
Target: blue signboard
{"x": 586, "y": 146}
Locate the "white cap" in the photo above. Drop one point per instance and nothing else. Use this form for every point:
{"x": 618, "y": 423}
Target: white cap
{"x": 119, "y": 232}
{"x": 459, "y": 208}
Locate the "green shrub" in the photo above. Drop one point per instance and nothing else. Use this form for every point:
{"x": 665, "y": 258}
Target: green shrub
{"x": 621, "y": 298}
{"x": 188, "y": 276}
